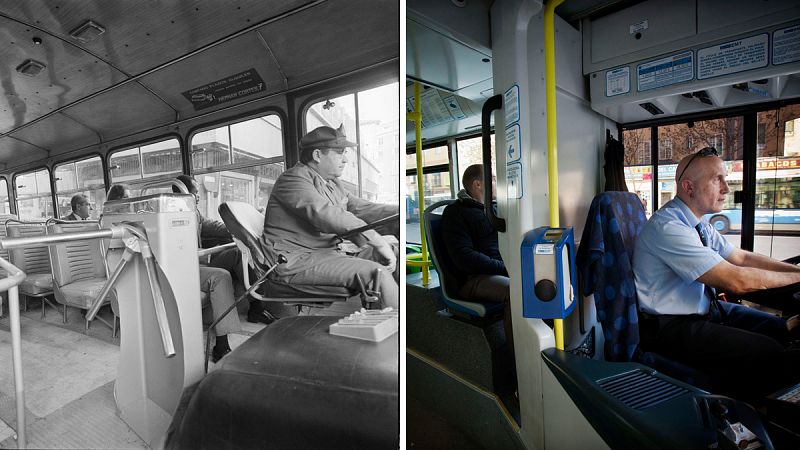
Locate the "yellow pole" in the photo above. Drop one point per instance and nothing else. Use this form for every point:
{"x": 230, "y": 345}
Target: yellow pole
{"x": 416, "y": 116}
{"x": 552, "y": 132}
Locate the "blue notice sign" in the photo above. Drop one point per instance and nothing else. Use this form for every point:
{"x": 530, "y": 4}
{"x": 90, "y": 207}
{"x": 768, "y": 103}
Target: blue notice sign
{"x": 228, "y": 89}
{"x": 513, "y": 143}
{"x": 666, "y": 71}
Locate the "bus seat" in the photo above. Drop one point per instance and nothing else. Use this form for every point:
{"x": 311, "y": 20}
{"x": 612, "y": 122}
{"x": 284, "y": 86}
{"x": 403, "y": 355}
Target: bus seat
{"x": 444, "y": 266}
{"x": 3, "y": 252}
{"x": 605, "y": 266}
{"x": 35, "y": 262}
{"x": 246, "y": 225}
{"x": 79, "y": 271}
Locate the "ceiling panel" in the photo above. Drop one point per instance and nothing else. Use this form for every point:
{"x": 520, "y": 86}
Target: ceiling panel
{"x": 57, "y": 133}
{"x": 69, "y": 74}
{"x": 366, "y": 32}
{"x": 18, "y": 152}
{"x": 121, "y": 111}
{"x": 225, "y": 60}
{"x": 141, "y": 35}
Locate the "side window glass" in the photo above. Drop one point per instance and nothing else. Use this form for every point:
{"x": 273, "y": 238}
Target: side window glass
{"x": 137, "y": 166}
{"x": 237, "y": 162}
{"x": 34, "y": 201}
{"x": 80, "y": 177}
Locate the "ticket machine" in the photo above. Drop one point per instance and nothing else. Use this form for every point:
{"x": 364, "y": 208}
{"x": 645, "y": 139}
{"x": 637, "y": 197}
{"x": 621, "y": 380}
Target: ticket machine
{"x": 161, "y": 343}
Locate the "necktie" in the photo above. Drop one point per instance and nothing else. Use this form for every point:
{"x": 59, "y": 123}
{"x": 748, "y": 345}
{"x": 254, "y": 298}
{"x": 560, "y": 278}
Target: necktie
{"x": 710, "y": 291}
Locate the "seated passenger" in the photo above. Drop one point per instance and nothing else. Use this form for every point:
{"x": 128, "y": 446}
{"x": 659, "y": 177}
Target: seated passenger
{"x": 678, "y": 261}
{"x": 212, "y": 233}
{"x": 80, "y": 208}
{"x": 472, "y": 245}
{"x": 309, "y": 207}
{"x": 116, "y": 192}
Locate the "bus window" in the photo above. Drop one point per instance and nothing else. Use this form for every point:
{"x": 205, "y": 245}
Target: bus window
{"x": 5, "y": 205}
{"x": 237, "y": 162}
{"x": 678, "y": 141}
{"x": 436, "y": 182}
{"x": 374, "y": 174}
{"x": 638, "y": 166}
{"x": 34, "y": 201}
{"x": 80, "y": 177}
{"x": 137, "y": 166}
{"x": 469, "y": 153}
{"x": 777, "y": 215}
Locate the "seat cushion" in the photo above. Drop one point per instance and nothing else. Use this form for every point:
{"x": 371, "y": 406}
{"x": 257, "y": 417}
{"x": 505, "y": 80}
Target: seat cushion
{"x": 81, "y": 294}
{"x": 274, "y": 289}
{"x": 36, "y": 284}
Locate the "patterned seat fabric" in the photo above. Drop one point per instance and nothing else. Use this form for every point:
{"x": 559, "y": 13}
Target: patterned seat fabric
{"x": 604, "y": 262}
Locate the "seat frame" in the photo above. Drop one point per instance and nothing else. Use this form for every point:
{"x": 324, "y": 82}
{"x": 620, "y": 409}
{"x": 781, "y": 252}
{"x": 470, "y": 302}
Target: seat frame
{"x": 46, "y": 296}
{"x": 452, "y": 303}
{"x": 246, "y": 225}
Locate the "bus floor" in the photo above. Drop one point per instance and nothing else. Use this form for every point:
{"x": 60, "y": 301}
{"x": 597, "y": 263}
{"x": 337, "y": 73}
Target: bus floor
{"x": 69, "y": 376}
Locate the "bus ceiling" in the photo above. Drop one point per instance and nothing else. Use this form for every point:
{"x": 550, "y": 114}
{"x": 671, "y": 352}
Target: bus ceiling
{"x": 81, "y": 75}
{"x": 643, "y": 60}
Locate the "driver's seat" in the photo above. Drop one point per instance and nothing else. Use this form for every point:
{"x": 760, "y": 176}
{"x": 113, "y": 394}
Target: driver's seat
{"x": 246, "y": 225}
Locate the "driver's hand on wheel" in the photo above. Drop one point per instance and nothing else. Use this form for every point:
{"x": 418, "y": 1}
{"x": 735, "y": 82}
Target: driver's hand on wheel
{"x": 385, "y": 255}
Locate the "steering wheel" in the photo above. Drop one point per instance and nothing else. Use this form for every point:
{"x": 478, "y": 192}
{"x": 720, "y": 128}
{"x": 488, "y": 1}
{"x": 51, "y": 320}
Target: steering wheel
{"x": 369, "y": 226}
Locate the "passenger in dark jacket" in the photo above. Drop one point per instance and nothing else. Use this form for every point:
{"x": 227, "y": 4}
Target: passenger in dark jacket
{"x": 472, "y": 245}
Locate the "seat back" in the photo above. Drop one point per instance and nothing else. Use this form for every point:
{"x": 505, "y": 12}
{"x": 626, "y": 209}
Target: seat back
{"x": 77, "y": 260}
{"x": 31, "y": 260}
{"x": 445, "y": 267}
{"x": 3, "y": 233}
{"x": 246, "y": 225}
{"x": 604, "y": 261}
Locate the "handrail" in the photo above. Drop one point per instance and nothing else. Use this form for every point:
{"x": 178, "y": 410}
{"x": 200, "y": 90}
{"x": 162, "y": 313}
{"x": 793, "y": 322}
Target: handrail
{"x": 164, "y": 183}
{"x": 214, "y": 250}
{"x": 56, "y": 220}
{"x": 552, "y": 132}
{"x": 494, "y": 103}
{"x": 416, "y": 117}
{"x": 9, "y": 283}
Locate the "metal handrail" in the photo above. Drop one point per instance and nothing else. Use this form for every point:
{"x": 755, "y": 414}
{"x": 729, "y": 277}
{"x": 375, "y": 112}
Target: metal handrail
{"x": 9, "y": 283}
{"x": 214, "y": 250}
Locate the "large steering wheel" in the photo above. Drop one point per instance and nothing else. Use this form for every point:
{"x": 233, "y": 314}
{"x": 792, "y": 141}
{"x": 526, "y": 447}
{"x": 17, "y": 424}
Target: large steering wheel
{"x": 369, "y": 226}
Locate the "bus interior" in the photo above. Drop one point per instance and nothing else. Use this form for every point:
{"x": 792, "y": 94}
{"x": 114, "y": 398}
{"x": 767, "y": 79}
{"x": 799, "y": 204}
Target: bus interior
{"x": 127, "y": 93}
{"x": 565, "y": 101}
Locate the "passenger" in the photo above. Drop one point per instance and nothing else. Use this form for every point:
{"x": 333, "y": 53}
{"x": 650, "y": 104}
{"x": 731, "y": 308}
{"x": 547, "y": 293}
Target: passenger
{"x": 472, "y": 245}
{"x": 80, "y": 208}
{"x": 679, "y": 257}
{"x": 116, "y": 192}
{"x": 309, "y": 207}
{"x": 212, "y": 233}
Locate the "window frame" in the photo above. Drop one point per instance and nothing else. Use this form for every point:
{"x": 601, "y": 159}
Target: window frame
{"x": 139, "y": 144}
{"x": 227, "y": 122}
{"x": 103, "y": 167}
{"x": 31, "y": 171}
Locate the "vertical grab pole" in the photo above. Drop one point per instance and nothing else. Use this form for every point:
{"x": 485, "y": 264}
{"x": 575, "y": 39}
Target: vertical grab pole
{"x": 16, "y": 352}
{"x": 552, "y": 132}
{"x": 416, "y": 116}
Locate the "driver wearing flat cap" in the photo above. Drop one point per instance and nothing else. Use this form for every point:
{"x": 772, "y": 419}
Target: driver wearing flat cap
{"x": 309, "y": 207}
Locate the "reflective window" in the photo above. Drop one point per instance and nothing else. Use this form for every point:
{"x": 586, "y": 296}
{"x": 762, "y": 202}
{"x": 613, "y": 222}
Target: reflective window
{"x": 436, "y": 188}
{"x": 5, "y": 204}
{"x": 373, "y": 173}
{"x": 137, "y": 166}
{"x": 638, "y": 169}
{"x": 80, "y": 177}
{"x": 34, "y": 201}
{"x": 470, "y": 152}
{"x": 237, "y": 162}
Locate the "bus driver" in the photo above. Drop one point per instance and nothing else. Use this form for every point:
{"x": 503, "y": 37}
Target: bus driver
{"x": 678, "y": 261}
{"x": 309, "y": 207}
